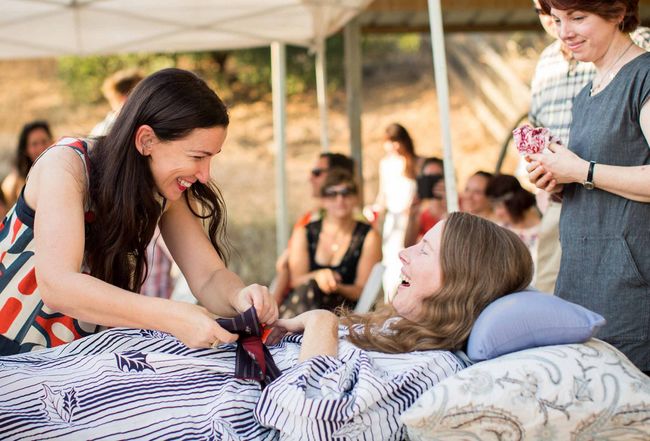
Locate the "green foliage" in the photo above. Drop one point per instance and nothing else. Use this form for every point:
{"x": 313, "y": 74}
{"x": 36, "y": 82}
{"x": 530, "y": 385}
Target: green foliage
{"x": 84, "y": 76}
{"x": 245, "y": 74}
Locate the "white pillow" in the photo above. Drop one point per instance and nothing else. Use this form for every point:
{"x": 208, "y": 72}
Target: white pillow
{"x": 566, "y": 392}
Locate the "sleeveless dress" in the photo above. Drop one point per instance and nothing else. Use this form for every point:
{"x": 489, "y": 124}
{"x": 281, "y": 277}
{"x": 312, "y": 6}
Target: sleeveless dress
{"x": 606, "y": 238}
{"x": 309, "y": 296}
{"x": 26, "y": 324}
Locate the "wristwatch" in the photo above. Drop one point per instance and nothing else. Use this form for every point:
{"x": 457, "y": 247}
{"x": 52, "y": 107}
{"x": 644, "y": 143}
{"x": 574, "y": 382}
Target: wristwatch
{"x": 589, "y": 183}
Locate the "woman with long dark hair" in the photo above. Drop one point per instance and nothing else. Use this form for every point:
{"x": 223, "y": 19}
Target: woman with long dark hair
{"x": 397, "y": 171}
{"x": 79, "y": 264}
{"x": 34, "y": 138}
{"x": 603, "y": 174}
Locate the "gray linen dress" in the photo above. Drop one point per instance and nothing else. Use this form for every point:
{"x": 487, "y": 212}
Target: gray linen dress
{"x": 606, "y": 238}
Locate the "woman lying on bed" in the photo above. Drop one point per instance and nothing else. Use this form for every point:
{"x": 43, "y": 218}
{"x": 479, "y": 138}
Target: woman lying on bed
{"x": 338, "y": 381}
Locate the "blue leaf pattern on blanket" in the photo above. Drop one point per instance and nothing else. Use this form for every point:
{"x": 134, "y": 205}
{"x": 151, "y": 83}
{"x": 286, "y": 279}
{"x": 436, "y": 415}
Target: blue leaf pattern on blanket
{"x": 127, "y": 384}
{"x": 153, "y": 334}
{"x": 133, "y": 361}
{"x": 60, "y": 406}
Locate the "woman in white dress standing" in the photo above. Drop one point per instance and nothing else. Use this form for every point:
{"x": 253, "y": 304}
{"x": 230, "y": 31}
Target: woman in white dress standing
{"x": 397, "y": 170}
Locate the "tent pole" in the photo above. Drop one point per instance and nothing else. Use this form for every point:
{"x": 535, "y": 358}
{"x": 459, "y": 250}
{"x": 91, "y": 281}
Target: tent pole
{"x": 442, "y": 91}
{"x": 279, "y": 89}
{"x": 352, "y": 57}
{"x": 321, "y": 92}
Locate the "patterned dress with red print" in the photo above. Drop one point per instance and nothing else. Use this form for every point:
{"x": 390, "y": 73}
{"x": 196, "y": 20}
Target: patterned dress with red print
{"x": 26, "y": 323}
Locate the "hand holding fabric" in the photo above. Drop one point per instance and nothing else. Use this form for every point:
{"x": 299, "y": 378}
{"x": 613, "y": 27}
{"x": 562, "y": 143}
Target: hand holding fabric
{"x": 259, "y": 297}
{"x": 554, "y": 167}
{"x": 195, "y": 326}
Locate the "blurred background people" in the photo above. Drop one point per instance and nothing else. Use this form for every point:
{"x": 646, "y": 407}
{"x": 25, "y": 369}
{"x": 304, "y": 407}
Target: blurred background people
{"x": 515, "y": 208}
{"x": 116, "y": 89}
{"x": 330, "y": 259}
{"x": 34, "y": 138}
{"x": 429, "y": 205}
{"x": 474, "y": 200}
{"x": 397, "y": 171}
{"x": 326, "y": 161}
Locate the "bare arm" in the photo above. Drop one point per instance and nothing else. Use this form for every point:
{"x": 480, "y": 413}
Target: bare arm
{"x": 560, "y": 166}
{"x": 217, "y": 288}
{"x": 299, "y": 258}
{"x": 56, "y": 190}
{"x": 320, "y": 333}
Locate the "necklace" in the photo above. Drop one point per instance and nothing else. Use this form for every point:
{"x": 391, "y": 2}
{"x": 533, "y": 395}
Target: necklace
{"x": 596, "y": 87}
{"x": 337, "y": 238}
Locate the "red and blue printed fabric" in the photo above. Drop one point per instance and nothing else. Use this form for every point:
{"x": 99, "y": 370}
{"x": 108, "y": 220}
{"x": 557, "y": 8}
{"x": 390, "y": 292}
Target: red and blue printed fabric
{"x": 253, "y": 359}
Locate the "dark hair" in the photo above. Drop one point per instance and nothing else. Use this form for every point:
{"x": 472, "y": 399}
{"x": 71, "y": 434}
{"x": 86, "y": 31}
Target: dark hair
{"x": 339, "y": 160}
{"x": 507, "y": 189}
{"x": 484, "y": 174}
{"x": 22, "y": 161}
{"x": 339, "y": 176}
{"x": 397, "y": 133}
{"x": 173, "y": 102}
{"x": 607, "y": 9}
{"x": 431, "y": 160}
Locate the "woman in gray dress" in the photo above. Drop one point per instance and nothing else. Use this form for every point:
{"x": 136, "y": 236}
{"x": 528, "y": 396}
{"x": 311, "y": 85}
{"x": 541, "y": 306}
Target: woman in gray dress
{"x": 603, "y": 176}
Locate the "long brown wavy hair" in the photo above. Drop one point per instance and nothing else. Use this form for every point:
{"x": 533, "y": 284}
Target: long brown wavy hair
{"x": 397, "y": 133}
{"x": 480, "y": 262}
{"x": 173, "y": 102}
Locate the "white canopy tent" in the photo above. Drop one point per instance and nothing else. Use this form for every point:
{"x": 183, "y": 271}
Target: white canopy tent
{"x": 51, "y": 28}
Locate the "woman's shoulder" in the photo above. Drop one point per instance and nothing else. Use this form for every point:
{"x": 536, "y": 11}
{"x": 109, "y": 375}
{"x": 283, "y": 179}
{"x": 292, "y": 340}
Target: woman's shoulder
{"x": 65, "y": 161}
{"x": 66, "y": 152}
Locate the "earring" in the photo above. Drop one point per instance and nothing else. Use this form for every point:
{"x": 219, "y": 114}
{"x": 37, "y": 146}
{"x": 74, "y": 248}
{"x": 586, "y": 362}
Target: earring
{"x": 620, "y": 25}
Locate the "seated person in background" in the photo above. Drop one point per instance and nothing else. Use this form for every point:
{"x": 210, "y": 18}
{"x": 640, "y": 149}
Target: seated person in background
{"x": 429, "y": 203}
{"x": 330, "y": 258}
{"x": 34, "y": 138}
{"x": 326, "y": 161}
{"x": 515, "y": 209}
{"x": 445, "y": 287}
{"x": 474, "y": 200}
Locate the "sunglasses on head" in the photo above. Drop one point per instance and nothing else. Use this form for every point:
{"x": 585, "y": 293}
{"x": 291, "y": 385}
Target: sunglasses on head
{"x": 316, "y": 172}
{"x": 332, "y": 193}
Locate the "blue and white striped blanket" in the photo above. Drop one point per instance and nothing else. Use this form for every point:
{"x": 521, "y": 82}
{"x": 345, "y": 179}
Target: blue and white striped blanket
{"x": 138, "y": 385}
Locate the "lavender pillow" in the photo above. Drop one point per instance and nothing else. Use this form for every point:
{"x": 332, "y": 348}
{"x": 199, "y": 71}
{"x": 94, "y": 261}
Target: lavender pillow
{"x": 529, "y": 319}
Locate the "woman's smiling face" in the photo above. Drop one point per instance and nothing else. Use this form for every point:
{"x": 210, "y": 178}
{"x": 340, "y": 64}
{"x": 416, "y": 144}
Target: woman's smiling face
{"x": 587, "y": 35}
{"x": 176, "y": 165}
{"x": 421, "y": 274}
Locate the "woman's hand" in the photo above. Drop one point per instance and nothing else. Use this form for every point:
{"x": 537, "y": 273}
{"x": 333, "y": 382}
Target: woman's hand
{"x": 327, "y": 280}
{"x": 196, "y": 327}
{"x": 556, "y": 166}
{"x": 307, "y": 320}
{"x": 259, "y": 297}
